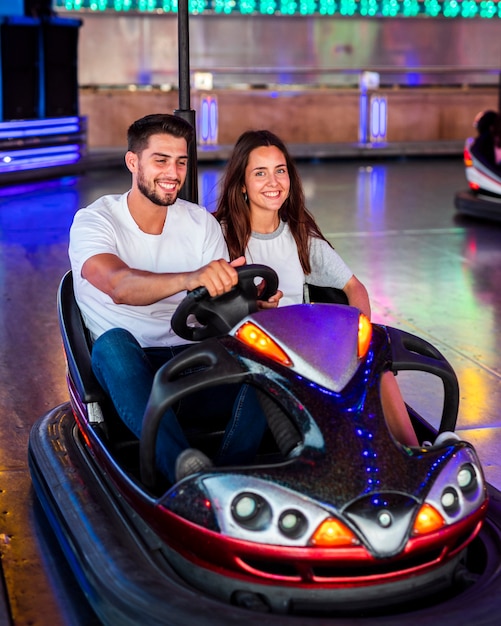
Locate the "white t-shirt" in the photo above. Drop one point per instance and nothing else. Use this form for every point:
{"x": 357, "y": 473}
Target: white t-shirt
{"x": 191, "y": 238}
{"x": 279, "y": 251}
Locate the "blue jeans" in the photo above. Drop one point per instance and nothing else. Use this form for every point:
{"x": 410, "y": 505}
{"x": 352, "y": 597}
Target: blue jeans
{"x": 126, "y": 371}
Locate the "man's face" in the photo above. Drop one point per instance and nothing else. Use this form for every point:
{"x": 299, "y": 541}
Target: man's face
{"x": 160, "y": 170}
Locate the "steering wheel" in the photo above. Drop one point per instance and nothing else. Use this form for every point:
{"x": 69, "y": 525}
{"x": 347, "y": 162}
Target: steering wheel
{"x": 216, "y": 316}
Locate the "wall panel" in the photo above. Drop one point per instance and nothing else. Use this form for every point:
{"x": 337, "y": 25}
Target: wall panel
{"x": 305, "y": 116}
{"x": 142, "y": 49}
{"x": 304, "y": 73}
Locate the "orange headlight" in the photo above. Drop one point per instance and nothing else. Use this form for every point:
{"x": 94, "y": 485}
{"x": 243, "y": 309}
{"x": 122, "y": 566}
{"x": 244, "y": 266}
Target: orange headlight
{"x": 257, "y": 339}
{"x": 364, "y": 335}
{"x": 332, "y": 533}
{"x": 428, "y": 520}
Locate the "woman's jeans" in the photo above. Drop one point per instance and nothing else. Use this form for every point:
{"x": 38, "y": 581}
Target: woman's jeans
{"x": 126, "y": 371}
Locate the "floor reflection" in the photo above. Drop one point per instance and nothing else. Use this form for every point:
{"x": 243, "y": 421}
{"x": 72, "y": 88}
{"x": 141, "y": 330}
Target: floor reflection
{"x": 394, "y": 223}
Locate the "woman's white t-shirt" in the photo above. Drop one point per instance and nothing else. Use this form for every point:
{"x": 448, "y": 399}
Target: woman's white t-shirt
{"x": 191, "y": 238}
{"x": 278, "y": 250}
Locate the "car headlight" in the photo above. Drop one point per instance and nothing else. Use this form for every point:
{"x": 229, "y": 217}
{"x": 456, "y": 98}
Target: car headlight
{"x": 292, "y": 523}
{"x": 251, "y": 511}
{"x": 450, "y": 500}
{"x": 467, "y": 478}
{"x": 458, "y": 491}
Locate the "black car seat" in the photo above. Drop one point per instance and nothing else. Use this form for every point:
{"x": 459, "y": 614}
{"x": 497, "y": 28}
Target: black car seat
{"x": 77, "y": 344}
{"x": 100, "y": 410}
{"x": 328, "y": 295}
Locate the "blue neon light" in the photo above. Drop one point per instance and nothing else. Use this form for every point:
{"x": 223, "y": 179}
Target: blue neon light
{"x": 41, "y": 127}
{"x": 205, "y": 123}
{"x": 208, "y": 120}
{"x": 38, "y": 132}
{"x": 65, "y": 134}
{"x": 52, "y": 121}
{"x": 8, "y": 157}
{"x": 214, "y": 120}
{"x": 37, "y": 163}
{"x": 378, "y": 118}
{"x": 39, "y": 157}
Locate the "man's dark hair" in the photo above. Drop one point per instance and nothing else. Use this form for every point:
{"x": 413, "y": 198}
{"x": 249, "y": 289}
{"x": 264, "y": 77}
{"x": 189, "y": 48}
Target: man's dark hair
{"x": 141, "y": 130}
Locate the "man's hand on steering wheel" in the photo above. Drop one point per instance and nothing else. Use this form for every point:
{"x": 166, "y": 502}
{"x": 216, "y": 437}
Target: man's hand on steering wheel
{"x": 216, "y": 315}
{"x": 217, "y": 277}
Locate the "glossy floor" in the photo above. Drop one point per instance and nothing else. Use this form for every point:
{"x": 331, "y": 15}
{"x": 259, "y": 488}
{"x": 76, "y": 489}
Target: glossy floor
{"x": 394, "y": 223}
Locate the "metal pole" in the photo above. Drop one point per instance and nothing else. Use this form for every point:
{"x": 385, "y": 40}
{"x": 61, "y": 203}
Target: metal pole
{"x": 499, "y": 94}
{"x": 190, "y": 188}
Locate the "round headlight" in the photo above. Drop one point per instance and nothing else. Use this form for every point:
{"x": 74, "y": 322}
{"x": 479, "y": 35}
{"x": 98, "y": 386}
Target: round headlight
{"x": 251, "y": 511}
{"x": 292, "y": 523}
{"x": 450, "y": 500}
{"x": 384, "y": 519}
{"x": 245, "y": 507}
{"x": 467, "y": 478}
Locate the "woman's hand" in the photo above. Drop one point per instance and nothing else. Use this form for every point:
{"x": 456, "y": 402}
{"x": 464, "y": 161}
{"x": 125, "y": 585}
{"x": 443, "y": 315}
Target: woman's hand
{"x": 272, "y": 302}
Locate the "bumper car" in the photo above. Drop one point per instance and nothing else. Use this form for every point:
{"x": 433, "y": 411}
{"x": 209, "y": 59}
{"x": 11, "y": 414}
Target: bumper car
{"x": 334, "y": 519}
{"x": 483, "y": 197}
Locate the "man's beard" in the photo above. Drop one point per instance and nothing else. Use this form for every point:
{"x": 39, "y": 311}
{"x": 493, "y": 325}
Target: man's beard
{"x": 153, "y": 196}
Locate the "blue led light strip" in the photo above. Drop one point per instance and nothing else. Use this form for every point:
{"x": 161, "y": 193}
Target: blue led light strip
{"x": 45, "y": 122}
{"x": 58, "y": 130}
{"x": 39, "y": 157}
{"x": 41, "y": 127}
{"x": 65, "y": 137}
{"x": 9, "y": 156}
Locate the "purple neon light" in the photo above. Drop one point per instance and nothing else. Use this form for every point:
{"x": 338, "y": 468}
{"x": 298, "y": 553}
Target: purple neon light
{"x": 52, "y": 121}
{"x": 42, "y": 157}
{"x": 37, "y": 132}
{"x": 40, "y": 163}
{"x": 8, "y": 157}
{"x": 378, "y": 118}
{"x": 36, "y": 128}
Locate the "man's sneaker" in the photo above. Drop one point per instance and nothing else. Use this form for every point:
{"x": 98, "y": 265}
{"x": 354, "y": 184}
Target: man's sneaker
{"x": 446, "y": 436}
{"x": 191, "y": 461}
{"x": 441, "y": 439}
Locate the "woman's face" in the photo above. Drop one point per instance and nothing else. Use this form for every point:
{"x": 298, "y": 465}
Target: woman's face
{"x": 267, "y": 181}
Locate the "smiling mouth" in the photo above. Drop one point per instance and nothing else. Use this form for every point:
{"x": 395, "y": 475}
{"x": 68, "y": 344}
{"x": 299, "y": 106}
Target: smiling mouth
{"x": 168, "y": 187}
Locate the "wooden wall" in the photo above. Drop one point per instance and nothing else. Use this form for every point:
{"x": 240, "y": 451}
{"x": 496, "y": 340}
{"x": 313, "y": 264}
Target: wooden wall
{"x": 319, "y": 116}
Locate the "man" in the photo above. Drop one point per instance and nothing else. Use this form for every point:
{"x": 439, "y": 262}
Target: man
{"x": 133, "y": 256}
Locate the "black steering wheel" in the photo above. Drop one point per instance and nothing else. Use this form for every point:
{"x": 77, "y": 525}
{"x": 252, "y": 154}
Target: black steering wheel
{"x": 216, "y": 316}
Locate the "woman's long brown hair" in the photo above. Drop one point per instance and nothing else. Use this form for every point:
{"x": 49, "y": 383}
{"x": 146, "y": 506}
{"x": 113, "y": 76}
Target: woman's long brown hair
{"x": 234, "y": 213}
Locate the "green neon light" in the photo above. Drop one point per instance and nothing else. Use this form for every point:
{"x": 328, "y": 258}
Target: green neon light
{"x": 410, "y": 8}
{"x": 467, "y": 9}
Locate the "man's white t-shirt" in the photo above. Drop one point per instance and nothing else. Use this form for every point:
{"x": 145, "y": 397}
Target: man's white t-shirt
{"x": 191, "y": 238}
{"x": 279, "y": 251}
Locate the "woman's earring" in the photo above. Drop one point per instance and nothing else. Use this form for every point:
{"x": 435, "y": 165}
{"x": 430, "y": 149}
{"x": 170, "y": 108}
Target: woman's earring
{"x": 246, "y": 197}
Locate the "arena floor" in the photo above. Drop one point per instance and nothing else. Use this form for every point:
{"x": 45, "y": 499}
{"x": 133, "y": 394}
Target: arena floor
{"x": 393, "y": 220}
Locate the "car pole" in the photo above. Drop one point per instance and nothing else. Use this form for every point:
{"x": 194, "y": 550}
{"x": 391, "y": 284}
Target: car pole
{"x": 499, "y": 93}
{"x": 190, "y": 188}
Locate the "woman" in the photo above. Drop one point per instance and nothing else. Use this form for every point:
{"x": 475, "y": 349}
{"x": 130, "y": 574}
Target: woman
{"x": 263, "y": 214}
